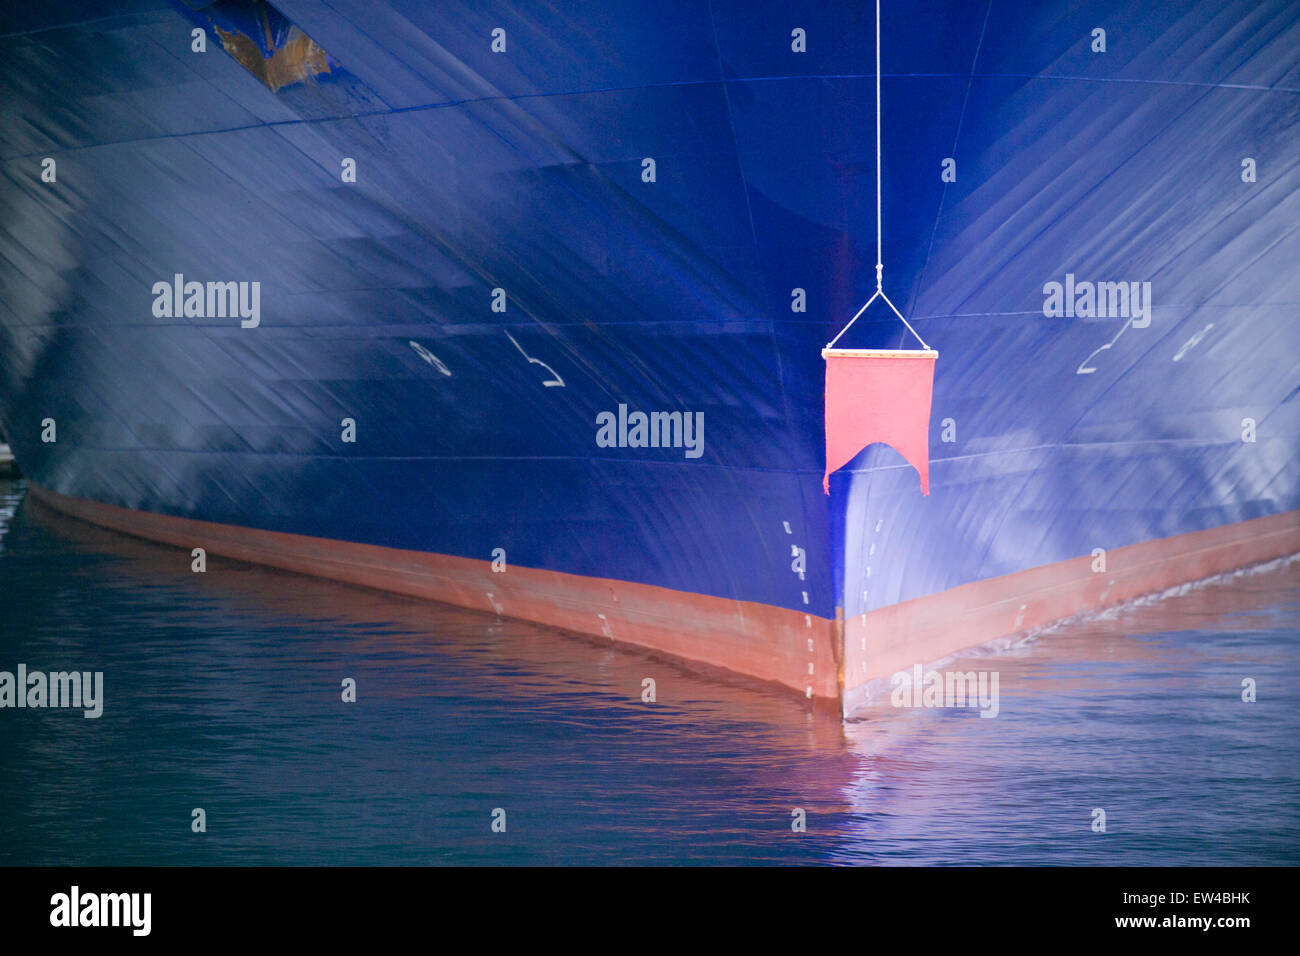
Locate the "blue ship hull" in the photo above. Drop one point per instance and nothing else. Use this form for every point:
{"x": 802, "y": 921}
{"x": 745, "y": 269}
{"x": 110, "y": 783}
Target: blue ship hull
{"x": 525, "y": 171}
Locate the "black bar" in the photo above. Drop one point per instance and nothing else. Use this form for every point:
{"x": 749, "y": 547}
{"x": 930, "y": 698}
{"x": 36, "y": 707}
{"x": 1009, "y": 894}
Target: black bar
{"x": 945, "y": 906}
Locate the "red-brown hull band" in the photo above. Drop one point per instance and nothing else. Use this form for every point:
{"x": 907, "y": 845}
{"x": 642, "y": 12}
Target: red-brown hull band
{"x": 757, "y": 640}
{"x": 814, "y": 656}
{"x": 885, "y": 641}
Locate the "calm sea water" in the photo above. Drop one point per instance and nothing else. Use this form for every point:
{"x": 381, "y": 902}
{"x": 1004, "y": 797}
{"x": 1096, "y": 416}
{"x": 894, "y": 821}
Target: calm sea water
{"x": 223, "y": 692}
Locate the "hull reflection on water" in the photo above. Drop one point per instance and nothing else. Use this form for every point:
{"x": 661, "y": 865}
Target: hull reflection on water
{"x": 223, "y": 691}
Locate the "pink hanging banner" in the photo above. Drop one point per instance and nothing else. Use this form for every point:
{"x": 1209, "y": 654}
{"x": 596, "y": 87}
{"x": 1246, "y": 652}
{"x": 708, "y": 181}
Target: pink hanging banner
{"x": 878, "y": 395}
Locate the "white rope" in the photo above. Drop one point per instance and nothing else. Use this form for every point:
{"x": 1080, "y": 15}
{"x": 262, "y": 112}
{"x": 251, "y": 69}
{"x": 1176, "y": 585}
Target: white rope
{"x": 880, "y": 265}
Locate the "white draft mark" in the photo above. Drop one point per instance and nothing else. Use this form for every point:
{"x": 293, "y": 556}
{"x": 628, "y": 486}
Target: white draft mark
{"x": 1092, "y": 368}
{"x": 1191, "y": 343}
{"x": 429, "y": 357}
{"x": 549, "y": 383}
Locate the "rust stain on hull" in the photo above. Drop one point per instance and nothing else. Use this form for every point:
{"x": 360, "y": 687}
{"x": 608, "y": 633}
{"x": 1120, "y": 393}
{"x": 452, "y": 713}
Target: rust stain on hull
{"x": 296, "y": 60}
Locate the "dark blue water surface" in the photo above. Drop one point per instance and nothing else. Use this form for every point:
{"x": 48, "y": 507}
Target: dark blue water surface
{"x": 222, "y": 691}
